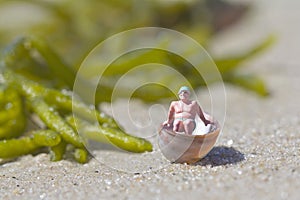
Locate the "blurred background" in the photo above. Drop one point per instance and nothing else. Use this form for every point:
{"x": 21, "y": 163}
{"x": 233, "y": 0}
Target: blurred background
{"x": 254, "y": 44}
{"x": 70, "y": 29}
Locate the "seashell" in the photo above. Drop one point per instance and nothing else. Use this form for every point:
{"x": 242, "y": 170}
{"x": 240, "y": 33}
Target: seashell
{"x": 184, "y": 148}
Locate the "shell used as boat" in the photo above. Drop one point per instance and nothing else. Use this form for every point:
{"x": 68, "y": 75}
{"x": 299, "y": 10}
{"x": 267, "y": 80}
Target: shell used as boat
{"x": 184, "y": 148}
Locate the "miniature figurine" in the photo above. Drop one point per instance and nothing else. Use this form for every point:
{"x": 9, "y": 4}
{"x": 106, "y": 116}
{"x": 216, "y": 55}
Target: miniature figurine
{"x": 182, "y": 113}
{"x": 197, "y": 140}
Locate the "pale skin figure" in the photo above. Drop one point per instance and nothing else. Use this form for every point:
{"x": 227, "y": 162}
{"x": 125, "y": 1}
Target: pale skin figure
{"x": 182, "y": 113}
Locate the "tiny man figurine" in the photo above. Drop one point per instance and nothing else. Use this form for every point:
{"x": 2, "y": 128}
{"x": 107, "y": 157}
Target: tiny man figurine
{"x": 182, "y": 113}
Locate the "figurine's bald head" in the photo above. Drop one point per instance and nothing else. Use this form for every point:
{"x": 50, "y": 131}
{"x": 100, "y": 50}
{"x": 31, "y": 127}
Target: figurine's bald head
{"x": 184, "y": 89}
{"x": 184, "y": 93}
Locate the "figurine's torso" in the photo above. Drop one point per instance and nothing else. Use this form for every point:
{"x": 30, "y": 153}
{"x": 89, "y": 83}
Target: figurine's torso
{"x": 185, "y": 110}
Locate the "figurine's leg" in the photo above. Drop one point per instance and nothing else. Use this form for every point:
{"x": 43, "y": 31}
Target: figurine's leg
{"x": 189, "y": 126}
{"x": 176, "y": 125}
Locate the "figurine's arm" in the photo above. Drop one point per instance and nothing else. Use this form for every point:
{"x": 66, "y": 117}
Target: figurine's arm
{"x": 170, "y": 115}
{"x": 201, "y": 115}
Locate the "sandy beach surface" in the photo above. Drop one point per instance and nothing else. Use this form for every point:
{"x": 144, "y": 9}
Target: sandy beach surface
{"x": 256, "y": 156}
